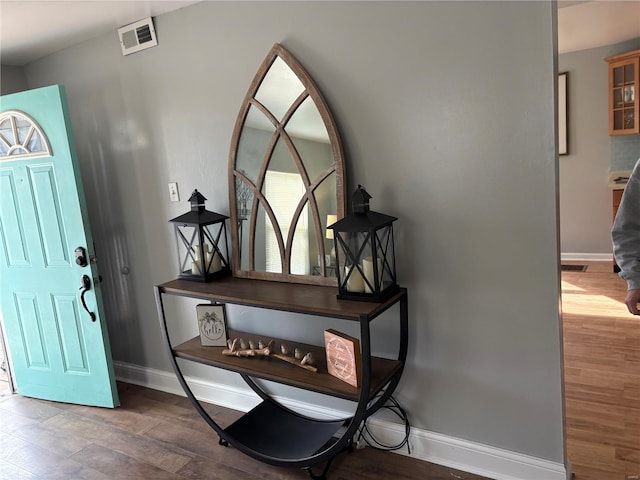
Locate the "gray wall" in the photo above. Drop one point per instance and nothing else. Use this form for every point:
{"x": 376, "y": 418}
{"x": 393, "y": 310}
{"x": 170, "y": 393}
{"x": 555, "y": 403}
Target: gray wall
{"x": 585, "y": 199}
{"x": 447, "y": 115}
{"x": 12, "y": 80}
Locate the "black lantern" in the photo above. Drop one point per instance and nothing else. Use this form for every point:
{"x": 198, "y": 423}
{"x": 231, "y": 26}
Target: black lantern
{"x": 365, "y": 252}
{"x": 201, "y": 238}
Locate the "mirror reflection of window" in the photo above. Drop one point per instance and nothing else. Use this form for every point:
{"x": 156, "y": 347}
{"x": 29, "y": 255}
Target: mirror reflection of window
{"x": 279, "y": 89}
{"x": 284, "y": 190}
{"x": 284, "y": 130}
{"x": 244, "y": 194}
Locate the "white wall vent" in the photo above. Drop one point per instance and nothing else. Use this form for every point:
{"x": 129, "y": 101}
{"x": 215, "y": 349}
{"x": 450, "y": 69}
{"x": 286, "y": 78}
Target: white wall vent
{"x": 137, "y": 36}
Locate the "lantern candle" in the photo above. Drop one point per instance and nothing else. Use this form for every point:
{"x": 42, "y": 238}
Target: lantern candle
{"x": 355, "y": 282}
{"x": 367, "y": 268}
{"x": 214, "y": 262}
{"x": 196, "y": 266}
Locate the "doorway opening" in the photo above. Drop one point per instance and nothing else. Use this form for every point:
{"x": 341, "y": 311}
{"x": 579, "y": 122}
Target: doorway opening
{"x": 6, "y": 381}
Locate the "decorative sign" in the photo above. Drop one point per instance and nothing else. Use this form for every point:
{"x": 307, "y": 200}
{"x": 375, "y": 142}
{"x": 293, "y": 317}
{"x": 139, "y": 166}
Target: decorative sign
{"x": 343, "y": 357}
{"x": 211, "y": 324}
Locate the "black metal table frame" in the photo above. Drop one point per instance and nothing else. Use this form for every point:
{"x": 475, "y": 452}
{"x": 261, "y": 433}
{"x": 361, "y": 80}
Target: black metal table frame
{"x": 366, "y": 406}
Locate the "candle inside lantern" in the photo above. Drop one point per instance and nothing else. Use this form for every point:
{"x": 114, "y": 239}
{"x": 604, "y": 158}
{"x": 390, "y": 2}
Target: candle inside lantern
{"x": 355, "y": 282}
{"x": 214, "y": 262}
{"x": 195, "y": 268}
{"x": 367, "y": 268}
{"x": 196, "y": 265}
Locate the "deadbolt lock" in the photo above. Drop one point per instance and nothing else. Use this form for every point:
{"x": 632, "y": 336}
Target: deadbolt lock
{"x": 81, "y": 256}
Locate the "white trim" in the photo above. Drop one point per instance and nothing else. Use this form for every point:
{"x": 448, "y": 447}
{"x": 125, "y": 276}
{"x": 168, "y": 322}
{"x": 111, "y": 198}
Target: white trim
{"x": 432, "y": 447}
{"x": 587, "y": 257}
{"x": 468, "y": 456}
{"x": 217, "y": 393}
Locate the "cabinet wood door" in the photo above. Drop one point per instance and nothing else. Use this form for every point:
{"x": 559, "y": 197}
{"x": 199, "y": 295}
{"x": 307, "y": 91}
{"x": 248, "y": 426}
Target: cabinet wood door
{"x": 617, "y": 198}
{"x": 624, "y": 113}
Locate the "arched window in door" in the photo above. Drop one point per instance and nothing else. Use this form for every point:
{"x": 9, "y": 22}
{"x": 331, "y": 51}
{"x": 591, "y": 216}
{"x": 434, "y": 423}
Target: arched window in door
{"x": 21, "y": 137}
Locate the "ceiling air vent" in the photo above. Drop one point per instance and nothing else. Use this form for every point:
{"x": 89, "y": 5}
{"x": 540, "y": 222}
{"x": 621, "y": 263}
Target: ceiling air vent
{"x": 137, "y": 36}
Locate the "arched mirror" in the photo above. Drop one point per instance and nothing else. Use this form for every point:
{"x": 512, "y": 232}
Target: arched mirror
{"x": 286, "y": 177}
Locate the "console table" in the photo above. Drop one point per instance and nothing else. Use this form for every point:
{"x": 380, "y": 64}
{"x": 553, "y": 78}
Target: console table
{"x": 270, "y": 432}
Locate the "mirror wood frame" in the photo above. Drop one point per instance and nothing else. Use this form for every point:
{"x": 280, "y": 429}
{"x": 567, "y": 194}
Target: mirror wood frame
{"x": 337, "y": 168}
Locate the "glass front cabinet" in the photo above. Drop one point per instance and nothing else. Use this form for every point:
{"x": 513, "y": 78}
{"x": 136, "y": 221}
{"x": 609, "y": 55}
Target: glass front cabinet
{"x": 624, "y": 115}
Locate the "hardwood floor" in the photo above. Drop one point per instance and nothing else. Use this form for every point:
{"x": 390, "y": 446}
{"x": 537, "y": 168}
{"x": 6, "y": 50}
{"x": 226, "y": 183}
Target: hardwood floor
{"x": 602, "y": 376}
{"x": 155, "y": 435}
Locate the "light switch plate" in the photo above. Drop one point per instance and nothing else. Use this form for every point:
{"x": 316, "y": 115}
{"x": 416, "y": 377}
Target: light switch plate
{"x": 174, "y": 196}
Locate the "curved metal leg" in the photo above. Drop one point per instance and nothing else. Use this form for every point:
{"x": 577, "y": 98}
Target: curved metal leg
{"x": 266, "y": 397}
{"x": 179, "y": 375}
{"x": 323, "y": 475}
{"x": 402, "y": 357}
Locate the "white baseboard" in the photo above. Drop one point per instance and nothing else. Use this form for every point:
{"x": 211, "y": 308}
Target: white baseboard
{"x": 587, "y": 257}
{"x": 433, "y": 447}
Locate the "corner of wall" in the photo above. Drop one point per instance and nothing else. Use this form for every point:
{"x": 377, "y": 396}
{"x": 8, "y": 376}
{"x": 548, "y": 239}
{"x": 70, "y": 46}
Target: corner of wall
{"x": 12, "y": 80}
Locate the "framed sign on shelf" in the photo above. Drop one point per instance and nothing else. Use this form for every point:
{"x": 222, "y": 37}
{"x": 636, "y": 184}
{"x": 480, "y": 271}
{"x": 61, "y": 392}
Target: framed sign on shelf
{"x": 212, "y": 325}
{"x": 344, "y": 359}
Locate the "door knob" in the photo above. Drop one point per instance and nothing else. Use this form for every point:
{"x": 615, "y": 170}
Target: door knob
{"x": 86, "y": 286}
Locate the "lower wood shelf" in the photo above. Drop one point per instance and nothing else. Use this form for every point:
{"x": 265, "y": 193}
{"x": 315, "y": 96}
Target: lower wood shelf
{"x": 382, "y": 369}
{"x": 282, "y": 435}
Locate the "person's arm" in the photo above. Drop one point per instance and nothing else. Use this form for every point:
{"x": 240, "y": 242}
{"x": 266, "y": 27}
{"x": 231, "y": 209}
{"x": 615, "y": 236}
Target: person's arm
{"x": 626, "y": 239}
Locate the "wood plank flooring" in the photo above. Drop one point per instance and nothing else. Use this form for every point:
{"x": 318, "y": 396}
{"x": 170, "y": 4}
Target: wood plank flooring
{"x": 159, "y": 436}
{"x": 602, "y": 375}
{"x": 155, "y": 435}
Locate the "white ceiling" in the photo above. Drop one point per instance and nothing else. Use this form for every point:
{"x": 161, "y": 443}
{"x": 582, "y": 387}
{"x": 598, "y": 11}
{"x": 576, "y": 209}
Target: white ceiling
{"x": 583, "y": 25}
{"x": 31, "y": 29}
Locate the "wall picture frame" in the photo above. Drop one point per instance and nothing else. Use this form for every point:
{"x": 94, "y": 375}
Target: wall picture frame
{"x": 212, "y": 325}
{"x": 563, "y": 113}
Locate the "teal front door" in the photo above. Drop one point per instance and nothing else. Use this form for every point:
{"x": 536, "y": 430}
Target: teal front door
{"x": 50, "y": 297}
